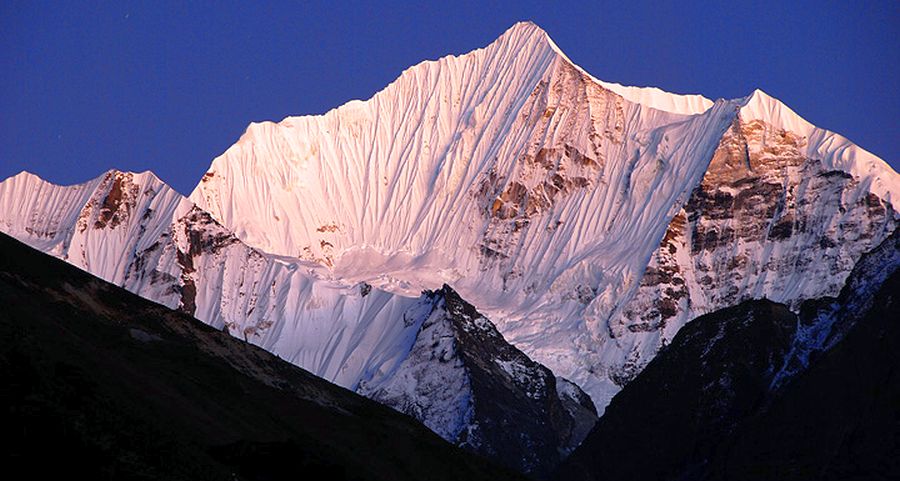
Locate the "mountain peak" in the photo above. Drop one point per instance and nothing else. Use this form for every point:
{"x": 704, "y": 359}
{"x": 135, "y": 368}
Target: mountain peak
{"x": 527, "y": 29}
{"x": 525, "y": 26}
{"x": 652, "y": 97}
{"x": 25, "y": 176}
{"x": 761, "y": 106}
{"x": 834, "y": 150}
{"x": 525, "y": 36}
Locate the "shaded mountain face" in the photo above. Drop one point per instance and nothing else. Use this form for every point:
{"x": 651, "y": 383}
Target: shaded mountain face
{"x": 106, "y": 385}
{"x": 470, "y": 386}
{"x": 757, "y": 392}
{"x": 589, "y": 221}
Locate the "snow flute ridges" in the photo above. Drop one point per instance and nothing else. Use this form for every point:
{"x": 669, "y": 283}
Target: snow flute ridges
{"x": 585, "y": 219}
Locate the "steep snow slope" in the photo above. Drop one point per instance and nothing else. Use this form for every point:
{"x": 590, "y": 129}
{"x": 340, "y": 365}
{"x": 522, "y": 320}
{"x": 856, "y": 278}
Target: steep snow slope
{"x": 542, "y": 194}
{"x": 506, "y": 172}
{"x": 111, "y": 383}
{"x": 511, "y": 141}
{"x": 135, "y": 231}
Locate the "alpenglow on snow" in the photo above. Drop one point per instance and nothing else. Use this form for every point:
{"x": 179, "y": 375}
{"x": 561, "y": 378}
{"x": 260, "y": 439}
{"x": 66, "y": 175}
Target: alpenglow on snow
{"x": 587, "y": 220}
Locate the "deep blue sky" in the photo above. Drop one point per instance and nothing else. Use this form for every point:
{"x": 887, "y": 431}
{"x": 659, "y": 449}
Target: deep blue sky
{"x": 167, "y": 88}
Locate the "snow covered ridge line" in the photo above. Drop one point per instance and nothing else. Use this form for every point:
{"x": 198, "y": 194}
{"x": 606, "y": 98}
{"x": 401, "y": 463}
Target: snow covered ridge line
{"x": 137, "y": 232}
{"x": 556, "y": 204}
{"x": 585, "y": 223}
{"x": 561, "y": 206}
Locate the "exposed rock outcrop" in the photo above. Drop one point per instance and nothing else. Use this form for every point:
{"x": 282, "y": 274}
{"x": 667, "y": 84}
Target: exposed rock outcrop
{"x": 464, "y": 381}
{"x": 755, "y": 391}
{"x": 766, "y": 221}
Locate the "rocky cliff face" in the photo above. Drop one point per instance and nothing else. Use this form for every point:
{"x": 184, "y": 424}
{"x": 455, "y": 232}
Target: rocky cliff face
{"x": 473, "y": 388}
{"x": 755, "y": 391}
{"x": 767, "y": 221}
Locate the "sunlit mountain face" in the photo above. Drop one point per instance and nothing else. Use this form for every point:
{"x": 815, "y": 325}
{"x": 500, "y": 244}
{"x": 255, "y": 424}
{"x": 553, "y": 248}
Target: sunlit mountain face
{"x": 497, "y": 243}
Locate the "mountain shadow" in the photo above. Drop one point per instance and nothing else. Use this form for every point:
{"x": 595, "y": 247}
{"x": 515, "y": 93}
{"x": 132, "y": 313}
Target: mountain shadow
{"x": 758, "y": 392}
{"x": 102, "y": 384}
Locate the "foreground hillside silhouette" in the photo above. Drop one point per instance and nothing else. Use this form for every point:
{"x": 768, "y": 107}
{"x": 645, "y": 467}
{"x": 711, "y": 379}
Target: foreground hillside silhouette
{"x": 102, "y": 384}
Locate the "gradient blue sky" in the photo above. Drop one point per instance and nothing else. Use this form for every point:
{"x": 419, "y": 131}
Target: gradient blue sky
{"x": 168, "y": 87}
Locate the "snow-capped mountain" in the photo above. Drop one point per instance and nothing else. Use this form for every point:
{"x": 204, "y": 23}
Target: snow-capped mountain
{"x": 135, "y": 231}
{"x": 588, "y": 220}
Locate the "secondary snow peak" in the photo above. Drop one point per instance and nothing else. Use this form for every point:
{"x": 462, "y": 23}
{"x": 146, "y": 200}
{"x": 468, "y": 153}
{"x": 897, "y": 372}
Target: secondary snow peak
{"x": 652, "y": 97}
{"x": 832, "y": 149}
